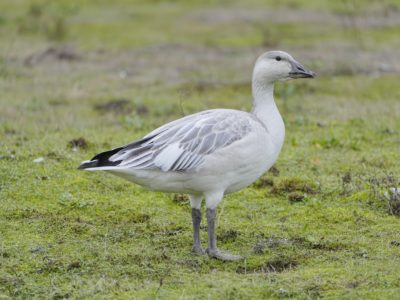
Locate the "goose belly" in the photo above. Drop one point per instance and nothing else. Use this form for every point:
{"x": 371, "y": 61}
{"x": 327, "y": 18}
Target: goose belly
{"x": 238, "y": 167}
{"x": 229, "y": 169}
{"x": 248, "y": 172}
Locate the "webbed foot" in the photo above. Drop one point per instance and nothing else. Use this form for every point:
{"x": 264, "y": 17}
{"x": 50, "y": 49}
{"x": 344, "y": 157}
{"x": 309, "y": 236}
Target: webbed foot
{"x": 198, "y": 250}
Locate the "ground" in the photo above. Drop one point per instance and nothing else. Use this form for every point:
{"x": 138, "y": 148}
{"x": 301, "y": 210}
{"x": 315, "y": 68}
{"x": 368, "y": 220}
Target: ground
{"x": 80, "y": 77}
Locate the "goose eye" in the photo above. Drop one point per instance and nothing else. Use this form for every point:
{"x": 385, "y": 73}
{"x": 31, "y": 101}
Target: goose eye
{"x": 278, "y": 58}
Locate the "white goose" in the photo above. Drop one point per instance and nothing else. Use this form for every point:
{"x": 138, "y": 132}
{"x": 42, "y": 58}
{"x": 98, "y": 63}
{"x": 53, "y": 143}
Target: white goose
{"x": 210, "y": 153}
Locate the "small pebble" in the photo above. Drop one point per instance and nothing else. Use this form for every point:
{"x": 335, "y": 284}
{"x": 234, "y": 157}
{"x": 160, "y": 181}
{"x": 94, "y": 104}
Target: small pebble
{"x": 38, "y": 160}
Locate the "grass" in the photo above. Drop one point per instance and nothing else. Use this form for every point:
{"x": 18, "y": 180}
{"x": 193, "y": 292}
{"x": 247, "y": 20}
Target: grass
{"x": 316, "y": 226}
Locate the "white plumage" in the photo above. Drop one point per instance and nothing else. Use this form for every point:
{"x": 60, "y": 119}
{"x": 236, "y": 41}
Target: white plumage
{"x": 210, "y": 153}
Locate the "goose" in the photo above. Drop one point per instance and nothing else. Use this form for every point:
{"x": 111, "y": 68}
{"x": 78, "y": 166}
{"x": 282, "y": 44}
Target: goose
{"x": 211, "y": 153}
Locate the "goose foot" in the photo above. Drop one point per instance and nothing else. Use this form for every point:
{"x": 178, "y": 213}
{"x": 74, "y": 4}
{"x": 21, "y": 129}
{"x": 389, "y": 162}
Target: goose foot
{"x": 198, "y": 250}
{"x": 215, "y": 253}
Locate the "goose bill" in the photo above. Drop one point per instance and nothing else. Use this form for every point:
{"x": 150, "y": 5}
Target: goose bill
{"x": 298, "y": 71}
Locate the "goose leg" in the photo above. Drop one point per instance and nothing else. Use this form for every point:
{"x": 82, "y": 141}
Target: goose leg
{"x": 195, "y": 202}
{"x": 196, "y": 218}
{"x": 212, "y": 249}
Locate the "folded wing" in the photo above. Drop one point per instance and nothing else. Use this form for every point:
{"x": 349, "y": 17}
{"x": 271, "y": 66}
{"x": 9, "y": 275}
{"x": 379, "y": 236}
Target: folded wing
{"x": 181, "y": 145}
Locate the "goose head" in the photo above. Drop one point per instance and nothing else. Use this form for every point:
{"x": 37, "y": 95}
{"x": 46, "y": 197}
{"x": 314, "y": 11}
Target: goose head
{"x": 278, "y": 65}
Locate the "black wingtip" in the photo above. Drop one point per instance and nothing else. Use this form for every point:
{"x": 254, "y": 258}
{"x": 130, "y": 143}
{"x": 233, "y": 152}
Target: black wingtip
{"x": 101, "y": 160}
{"x": 88, "y": 164}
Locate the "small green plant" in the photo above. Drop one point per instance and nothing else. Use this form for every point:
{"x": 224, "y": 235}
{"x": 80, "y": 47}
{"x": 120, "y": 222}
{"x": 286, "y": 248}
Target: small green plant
{"x": 294, "y": 184}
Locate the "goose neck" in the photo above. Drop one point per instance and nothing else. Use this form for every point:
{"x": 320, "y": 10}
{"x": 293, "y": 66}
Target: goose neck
{"x": 265, "y": 109}
{"x": 263, "y": 101}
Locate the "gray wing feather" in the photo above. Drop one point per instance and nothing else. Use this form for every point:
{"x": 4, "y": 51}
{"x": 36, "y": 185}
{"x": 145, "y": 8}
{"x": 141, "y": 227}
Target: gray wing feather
{"x": 182, "y": 145}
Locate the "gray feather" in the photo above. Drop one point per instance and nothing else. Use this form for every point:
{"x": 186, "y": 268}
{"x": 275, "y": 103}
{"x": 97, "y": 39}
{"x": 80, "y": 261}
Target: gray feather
{"x": 194, "y": 137}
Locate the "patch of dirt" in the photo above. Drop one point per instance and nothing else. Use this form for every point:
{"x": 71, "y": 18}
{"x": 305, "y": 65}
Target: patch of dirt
{"x": 294, "y": 184}
{"x": 296, "y": 196}
{"x": 264, "y": 181}
{"x": 274, "y": 171}
{"x": 352, "y": 284}
{"x": 79, "y": 143}
{"x": 142, "y": 110}
{"x": 118, "y": 106}
{"x": 139, "y": 218}
{"x": 228, "y": 236}
{"x": 4, "y": 254}
{"x": 278, "y": 265}
{"x": 193, "y": 262}
{"x": 61, "y": 53}
{"x": 173, "y": 230}
{"x": 55, "y": 156}
{"x": 180, "y": 198}
{"x": 320, "y": 244}
{"x": 346, "y": 178}
{"x": 74, "y": 265}
{"x": 263, "y": 244}
{"x": 10, "y": 131}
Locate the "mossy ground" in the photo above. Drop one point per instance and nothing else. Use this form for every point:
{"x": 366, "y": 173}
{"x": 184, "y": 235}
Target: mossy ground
{"x": 317, "y": 226}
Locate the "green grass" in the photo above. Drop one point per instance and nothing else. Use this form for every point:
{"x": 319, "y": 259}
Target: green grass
{"x": 318, "y": 226}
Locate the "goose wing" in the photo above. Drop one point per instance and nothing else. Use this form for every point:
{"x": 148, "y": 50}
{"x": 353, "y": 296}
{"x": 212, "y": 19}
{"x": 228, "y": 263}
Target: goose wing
{"x": 181, "y": 145}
